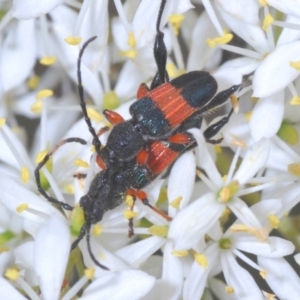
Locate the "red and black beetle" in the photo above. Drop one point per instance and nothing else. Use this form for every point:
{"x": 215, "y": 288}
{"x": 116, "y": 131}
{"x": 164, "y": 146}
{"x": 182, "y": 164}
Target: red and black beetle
{"x": 142, "y": 148}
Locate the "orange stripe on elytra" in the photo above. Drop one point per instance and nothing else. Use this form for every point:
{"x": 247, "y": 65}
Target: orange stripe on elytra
{"x": 160, "y": 157}
{"x": 169, "y": 100}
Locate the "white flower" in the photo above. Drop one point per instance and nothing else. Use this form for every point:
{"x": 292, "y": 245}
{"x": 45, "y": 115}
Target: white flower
{"x": 190, "y": 224}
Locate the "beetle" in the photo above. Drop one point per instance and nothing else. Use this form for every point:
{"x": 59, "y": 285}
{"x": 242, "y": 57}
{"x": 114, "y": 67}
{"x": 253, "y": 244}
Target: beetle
{"x": 159, "y": 110}
{"x": 110, "y": 186}
{"x": 144, "y": 147}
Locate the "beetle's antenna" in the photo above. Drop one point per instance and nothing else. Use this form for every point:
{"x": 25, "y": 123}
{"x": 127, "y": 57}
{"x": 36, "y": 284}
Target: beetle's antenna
{"x": 96, "y": 141}
{"x": 88, "y": 228}
{"x": 80, "y": 237}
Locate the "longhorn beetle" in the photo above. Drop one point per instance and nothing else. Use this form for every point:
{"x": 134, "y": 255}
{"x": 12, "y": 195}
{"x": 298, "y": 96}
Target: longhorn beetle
{"x": 144, "y": 147}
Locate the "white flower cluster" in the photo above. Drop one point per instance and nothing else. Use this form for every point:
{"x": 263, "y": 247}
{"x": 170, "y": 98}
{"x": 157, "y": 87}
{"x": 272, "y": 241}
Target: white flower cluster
{"x": 221, "y": 241}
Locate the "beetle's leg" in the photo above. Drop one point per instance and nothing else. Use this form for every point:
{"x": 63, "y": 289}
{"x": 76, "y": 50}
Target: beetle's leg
{"x": 130, "y": 221}
{"x": 142, "y": 196}
{"x": 160, "y": 52}
{"x": 213, "y": 129}
{"x": 142, "y": 91}
{"x": 96, "y": 141}
{"x": 220, "y": 98}
{"x": 113, "y": 117}
{"x": 44, "y": 161}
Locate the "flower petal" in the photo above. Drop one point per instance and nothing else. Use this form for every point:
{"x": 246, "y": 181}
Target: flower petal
{"x": 192, "y": 222}
{"x": 245, "y": 288}
{"x": 181, "y": 180}
{"x": 205, "y": 160}
{"x": 29, "y": 9}
{"x": 137, "y": 253}
{"x": 51, "y": 253}
{"x": 123, "y": 285}
{"x": 289, "y": 7}
{"x": 262, "y": 123}
{"x": 204, "y": 29}
{"x": 281, "y": 277}
{"x": 14, "y": 194}
{"x": 236, "y": 9}
{"x": 94, "y": 23}
{"x": 252, "y": 34}
{"x": 254, "y": 160}
{"x": 267, "y": 79}
{"x": 275, "y": 247}
{"x": 289, "y": 35}
{"x": 24, "y": 255}
{"x": 197, "y": 276}
{"x": 18, "y": 55}
{"x": 244, "y": 213}
{"x": 8, "y": 291}
{"x": 170, "y": 285}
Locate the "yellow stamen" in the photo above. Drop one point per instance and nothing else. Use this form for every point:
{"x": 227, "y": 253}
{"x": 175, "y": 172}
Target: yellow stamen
{"x": 81, "y": 163}
{"x": 44, "y": 94}
{"x": 234, "y": 103}
{"x": 97, "y": 230}
{"x": 268, "y": 20}
{"x": 263, "y": 2}
{"x": 295, "y": 100}
{"x": 161, "y": 231}
{"x": 37, "y": 107}
{"x": 12, "y": 274}
{"x": 4, "y": 249}
{"x": 25, "y": 175}
{"x": 48, "y": 60}
{"x": 201, "y": 259}
{"x": 295, "y": 65}
{"x": 73, "y": 40}
{"x": 129, "y": 200}
{"x": 89, "y": 273}
{"x": 274, "y": 221}
{"x": 263, "y": 274}
{"x": 260, "y": 234}
{"x": 22, "y": 207}
{"x": 220, "y": 40}
{"x": 176, "y": 203}
{"x": 176, "y": 20}
{"x": 294, "y": 169}
{"x": 69, "y": 188}
{"x": 171, "y": 69}
{"x": 239, "y": 143}
{"x": 94, "y": 115}
{"x": 269, "y": 296}
{"x": 132, "y": 53}
{"x": 248, "y": 115}
{"x": 33, "y": 82}
{"x": 128, "y": 214}
{"x": 180, "y": 253}
{"x": 40, "y": 156}
{"x": 218, "y": 149}
{"x": 229, "y": 289}
{"x": 229, "y": 191}
{"x": 2, "y": 122}
{"x": 131, "y": 40}
{"x": 111, "y": 100}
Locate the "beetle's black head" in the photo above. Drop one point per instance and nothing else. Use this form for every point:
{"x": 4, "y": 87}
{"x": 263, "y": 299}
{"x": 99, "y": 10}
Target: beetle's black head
{"x": 92, "y": 212}
{"x": 124, "y": 141}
